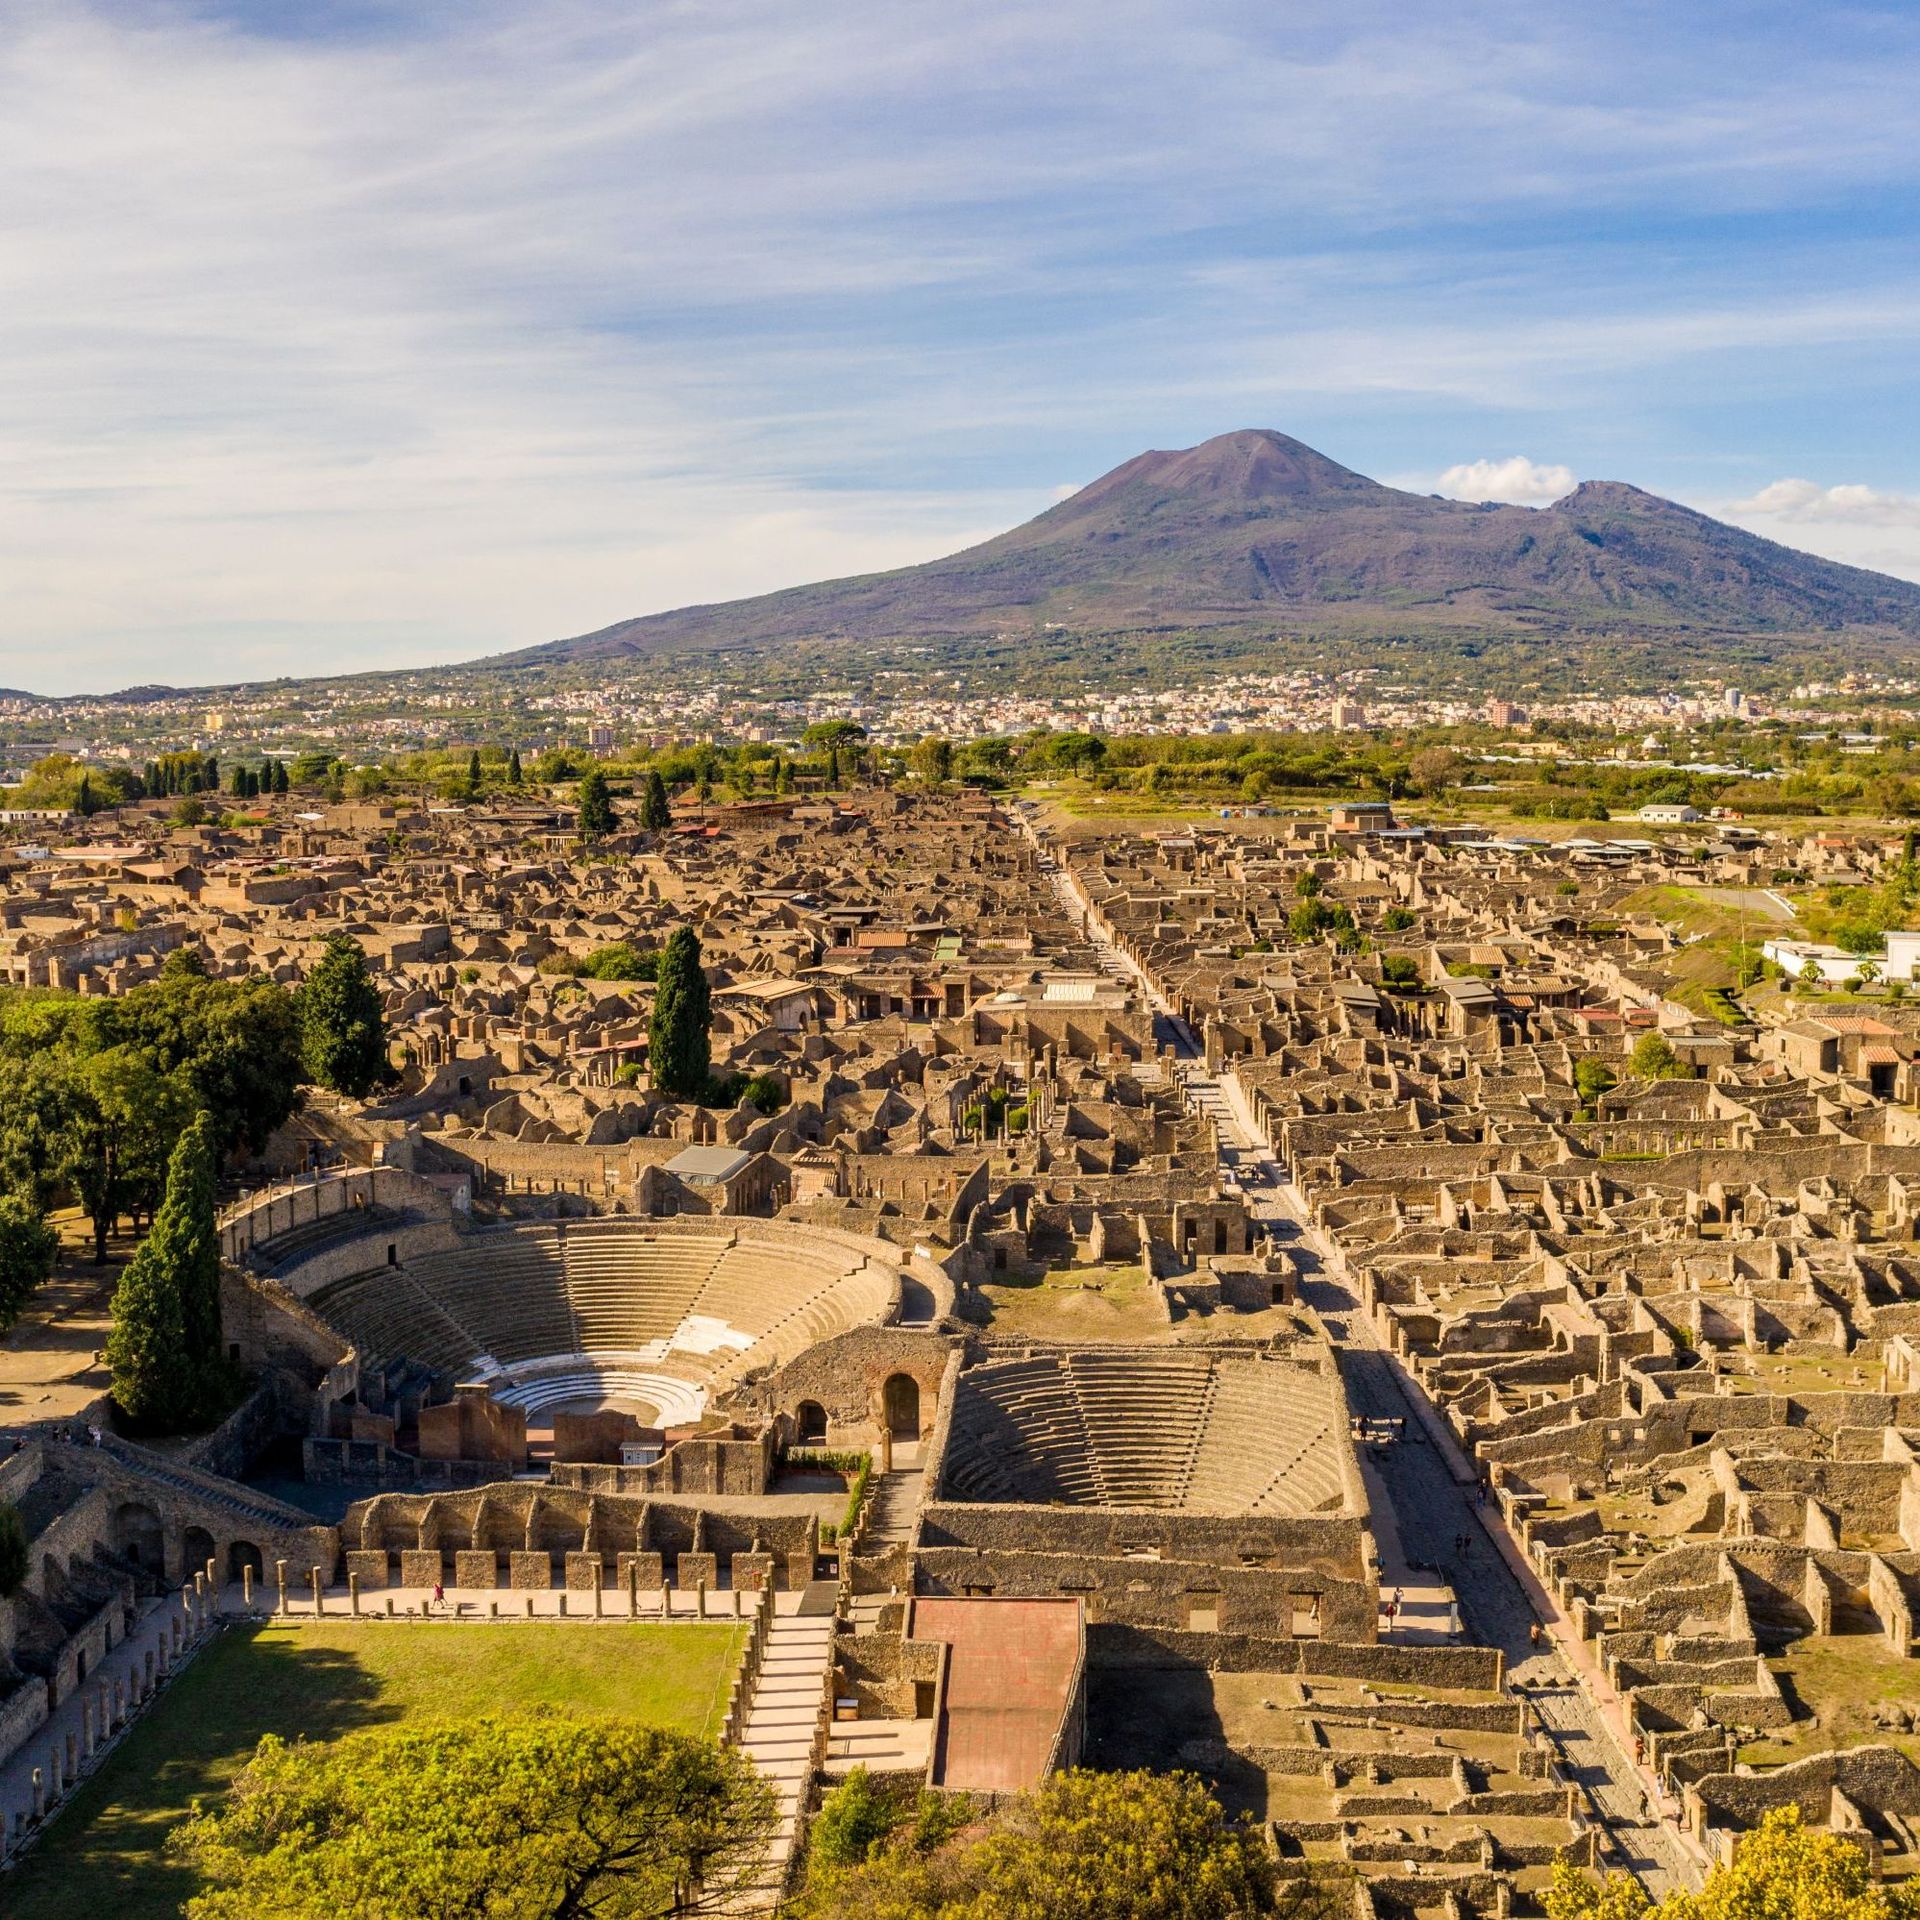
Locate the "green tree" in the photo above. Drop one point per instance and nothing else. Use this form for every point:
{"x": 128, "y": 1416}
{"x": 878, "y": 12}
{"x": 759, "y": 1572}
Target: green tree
{"x": 343, "y": 1032}
{"x": 1783, "y": 1870}
{"x": 679, "y": 1042}
{"x": 473, "y": 771}
{"x": 655, "y": 810}
{"x": 596, "y": 807}
{"x": 84, "y": 802}
{"x": 123, "y": 1118}
{"x": 541, "y": 1818}
{"x": 1653, "y": 1058}
{"x": 169, "y": 1370}
{"x": 932, "y": 759}
{"x": 27, "y": 1249}
{"x": 515, "y": 778}
{"x": 1591, "y": 1078}
{"x": 834, "y": 734}
{"x": 1087, "y": 1846}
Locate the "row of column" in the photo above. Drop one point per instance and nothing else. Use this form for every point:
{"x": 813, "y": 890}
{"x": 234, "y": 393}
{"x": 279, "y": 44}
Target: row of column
{"x": 106, "y": 1707}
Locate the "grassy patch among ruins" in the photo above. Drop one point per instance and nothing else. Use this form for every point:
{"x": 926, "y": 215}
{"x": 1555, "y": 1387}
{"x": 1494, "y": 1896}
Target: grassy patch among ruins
{"x": 104, "y": 1853}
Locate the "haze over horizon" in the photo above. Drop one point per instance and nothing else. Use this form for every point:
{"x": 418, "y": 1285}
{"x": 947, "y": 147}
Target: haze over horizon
{"x": 400, "y": 335}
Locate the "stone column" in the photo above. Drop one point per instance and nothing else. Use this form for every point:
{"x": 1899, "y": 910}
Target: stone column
{"x": 246, "y": 1587}
{"x": 87, "y": 1740}
{"x": 319, "y": 1605}
{"x": 353, "y": 1594}
{"x": 280, "y": 1575}
{"x": 39, "y": 1794}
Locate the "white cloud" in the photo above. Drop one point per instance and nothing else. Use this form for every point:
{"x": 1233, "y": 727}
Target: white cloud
{"x": 1860, "y": 525}
{"x": 1519, "y": 481}
{"x": 1805, "y": 502}
{"x": 484, "y": 323}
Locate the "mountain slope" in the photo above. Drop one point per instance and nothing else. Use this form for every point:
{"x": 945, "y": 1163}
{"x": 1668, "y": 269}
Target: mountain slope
{"x": 1254, "y": 527}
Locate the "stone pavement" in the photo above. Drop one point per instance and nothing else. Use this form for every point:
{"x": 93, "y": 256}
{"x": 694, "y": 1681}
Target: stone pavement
{"x": 83, "y": 1728}
{"x": 1432, "y": 1515}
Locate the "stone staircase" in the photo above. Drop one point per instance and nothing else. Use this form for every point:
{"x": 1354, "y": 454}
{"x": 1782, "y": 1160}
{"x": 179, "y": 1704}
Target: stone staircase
{"x": 781, "y": 1731}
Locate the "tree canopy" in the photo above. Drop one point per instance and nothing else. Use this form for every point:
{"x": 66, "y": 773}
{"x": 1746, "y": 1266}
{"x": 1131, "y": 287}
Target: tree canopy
{"x": 170, "y": 1373}
{"x": 94, "y": 1089}
{"x": 1783, "y": 1870}
{"x": 679, "y": 1043}
{"x": 27, "y": 1249}
{"x": 596, "y": 806}
{"x": 655, "y": 810}
{"x": 540, "y": 1818}
{"x": 343, "y": 1031}
{"x": 1087, "y": 1846}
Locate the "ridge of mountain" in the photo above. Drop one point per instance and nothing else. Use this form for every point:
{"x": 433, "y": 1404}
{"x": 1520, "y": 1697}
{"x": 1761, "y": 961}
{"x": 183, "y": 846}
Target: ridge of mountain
{"x": 1255, "y": 527}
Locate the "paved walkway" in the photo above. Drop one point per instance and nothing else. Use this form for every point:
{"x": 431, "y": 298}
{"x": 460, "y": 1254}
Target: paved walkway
{"x": 1432, "y": 1520}
{"x": 65, "y": 1731}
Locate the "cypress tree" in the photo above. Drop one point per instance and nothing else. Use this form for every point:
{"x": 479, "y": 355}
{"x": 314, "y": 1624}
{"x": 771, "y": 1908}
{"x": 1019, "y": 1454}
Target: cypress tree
{"x": 473, "y": 771}
{"x": 169, "y": 1372}
{"x": 84, "y": 800}
{"x": 237, "y": 782}
{"x": 210, "y": 775}
{"x": 279, "y": 776}
{"x": 655, "y": 810}
{"x": 343, "y": 1031}
{"x": 679, "y": 1043}
{"x": 596, "y": 807}
{"x": 514, "y": 776}
{"x": 833, "y": 767}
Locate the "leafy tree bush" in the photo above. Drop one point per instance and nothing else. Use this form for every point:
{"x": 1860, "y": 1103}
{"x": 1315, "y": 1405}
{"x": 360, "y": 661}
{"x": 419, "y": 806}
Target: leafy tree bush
{"x": 540, "y": 1818}
{"x": 618, "y": 960}
{"x": 27, "y": 1249}
{"x": 656, "y": 811}
{"x": 170, "y": 1373}
{"x": 343, "y": 1031}
{"x": 679, "y": 1043}
{"x": 596, "y": 819}
{"x": 1653, "y": 1058}
{"x": 1087, "y": 1846}
{"x": 1399, "y": 919}
{"x": 1783, "y": 1870}
{"x": 1591, "y": 1078}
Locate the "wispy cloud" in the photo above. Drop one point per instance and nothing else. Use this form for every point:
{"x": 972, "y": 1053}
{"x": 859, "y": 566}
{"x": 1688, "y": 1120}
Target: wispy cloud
{"x": 420, "y": 332}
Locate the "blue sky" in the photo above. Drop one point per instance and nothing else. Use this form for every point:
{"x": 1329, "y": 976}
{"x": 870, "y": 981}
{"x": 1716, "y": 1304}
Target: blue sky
{"x": 355, "y": 335}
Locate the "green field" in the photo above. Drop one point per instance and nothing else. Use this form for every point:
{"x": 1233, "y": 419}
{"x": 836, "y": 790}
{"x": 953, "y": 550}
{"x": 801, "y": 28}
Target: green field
{"x": 103, "y": 1856}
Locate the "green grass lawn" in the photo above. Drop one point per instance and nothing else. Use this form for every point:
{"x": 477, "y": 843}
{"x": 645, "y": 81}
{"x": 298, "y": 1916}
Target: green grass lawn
{"x": 102, "y": 1859}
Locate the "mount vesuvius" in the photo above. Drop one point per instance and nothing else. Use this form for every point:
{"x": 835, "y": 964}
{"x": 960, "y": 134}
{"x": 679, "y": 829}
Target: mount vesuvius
{"x": 1256, "y": 529}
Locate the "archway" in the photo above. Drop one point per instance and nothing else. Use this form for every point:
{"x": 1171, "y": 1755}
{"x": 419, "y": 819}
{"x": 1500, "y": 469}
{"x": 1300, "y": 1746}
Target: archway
{"x": 809, "y": 1423}
{"x": 196, "y": 1549}
{"x": 244, "y": 1557}
{"x": 900, "y": 1399}
{"x": 139, "y": 1537}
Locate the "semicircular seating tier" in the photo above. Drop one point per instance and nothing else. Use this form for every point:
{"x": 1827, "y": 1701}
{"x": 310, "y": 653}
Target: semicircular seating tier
{"x": 555, "y": 1313}
{"x": 1164, "y": 1427}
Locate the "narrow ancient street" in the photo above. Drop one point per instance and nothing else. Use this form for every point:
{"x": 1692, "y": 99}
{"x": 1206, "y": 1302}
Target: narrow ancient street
{"x": 1432, "y": 1490}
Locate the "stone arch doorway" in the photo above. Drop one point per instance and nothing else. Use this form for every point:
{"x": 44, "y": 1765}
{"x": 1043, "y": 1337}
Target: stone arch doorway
{"x": 244, "y": 1557}
{"x": 196, "y": 1549}
{"x": 900, "y": 1405}
{"x": 139, "y": 1537}
{"x": 809, "y": 1423}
